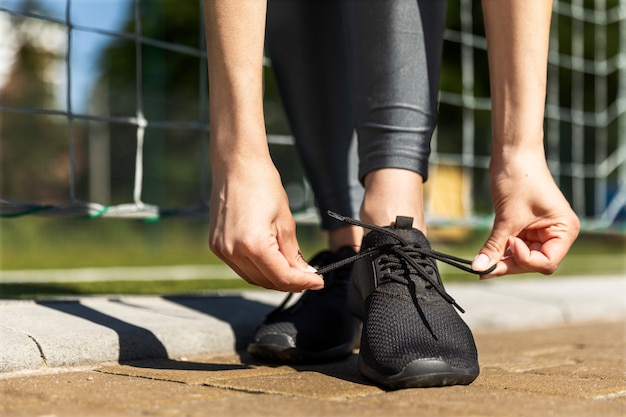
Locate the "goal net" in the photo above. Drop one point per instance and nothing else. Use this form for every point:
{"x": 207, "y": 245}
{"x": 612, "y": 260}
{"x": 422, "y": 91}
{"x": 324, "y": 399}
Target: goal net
{"x": 103, "y": 113}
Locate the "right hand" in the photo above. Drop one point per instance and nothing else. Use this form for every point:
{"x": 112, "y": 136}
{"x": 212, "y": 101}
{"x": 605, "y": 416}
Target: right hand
{"x": 252, "y": 229}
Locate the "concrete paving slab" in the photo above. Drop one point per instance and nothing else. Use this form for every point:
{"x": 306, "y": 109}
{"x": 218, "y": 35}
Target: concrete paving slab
{"x": 190, "y": 371}
{"x": 236, "y": 385}
{"x": 506, "y": 303}
{"x": 92, "y": 393}
{"x": 513, "y": 303}
{"x": 19, "y": 351}
{"x": 63, "y": 339}
{"x": 90, "y": 330}
{"x": 172, "y": 329}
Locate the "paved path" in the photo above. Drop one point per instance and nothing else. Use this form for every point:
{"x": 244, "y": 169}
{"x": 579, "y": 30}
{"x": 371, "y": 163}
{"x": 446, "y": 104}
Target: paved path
{"x": 547, "y": 347}
{"x": 569, "y": 371}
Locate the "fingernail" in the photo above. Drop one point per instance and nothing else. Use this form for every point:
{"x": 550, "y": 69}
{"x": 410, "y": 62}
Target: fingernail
{"x": 480, "y": 262}
{"x": 317, "y": 288}
{"x": 512, "y": 246}
{"x": 309, "y": 268}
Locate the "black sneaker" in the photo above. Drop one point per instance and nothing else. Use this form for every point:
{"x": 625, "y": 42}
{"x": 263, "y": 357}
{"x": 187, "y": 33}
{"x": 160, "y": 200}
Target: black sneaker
{"x": 412, "y": 336}
{"x": 318, "y": 327}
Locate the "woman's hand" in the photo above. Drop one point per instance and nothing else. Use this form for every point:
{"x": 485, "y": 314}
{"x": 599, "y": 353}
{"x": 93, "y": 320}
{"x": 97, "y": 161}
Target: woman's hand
{"x": 534, "y": 225}
{"x": 253, "y": 231}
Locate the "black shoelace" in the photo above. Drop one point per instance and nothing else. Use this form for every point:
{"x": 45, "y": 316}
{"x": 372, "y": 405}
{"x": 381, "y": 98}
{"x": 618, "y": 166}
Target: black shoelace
{"x": 417, "y": 257}
{"x": 284, "y": 305}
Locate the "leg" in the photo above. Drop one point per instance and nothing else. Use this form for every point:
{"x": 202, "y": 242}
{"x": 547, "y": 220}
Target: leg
{"x": 305, "y": 42}
{"x": 412, "y": 336}
{"x": 396, "y": 54}
{"x": 304, "y": 39}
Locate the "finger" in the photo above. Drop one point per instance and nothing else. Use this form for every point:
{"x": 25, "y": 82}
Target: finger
{"x": 289, "y": 247}
{"x": 275, "y": 268}
{"x": 275, "y": 274}
{"x": 543, "y": 257}
{"x": 494, "y": 248}
{"x": 533, "y": 256}
{"x": 261, "y": 263}
{"x": 246, "y": 272}
{"x": 517, "y": 255}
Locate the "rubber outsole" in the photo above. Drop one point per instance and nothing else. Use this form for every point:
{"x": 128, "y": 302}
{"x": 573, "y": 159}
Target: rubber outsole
{"x": 422, "y": 373}
{"x": 281, "y": 348}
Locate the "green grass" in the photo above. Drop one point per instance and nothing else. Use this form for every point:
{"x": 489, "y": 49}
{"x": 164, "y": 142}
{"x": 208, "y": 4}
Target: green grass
{"x": 42, "y": 243}
{"x": 24, "y": 291}
{"x": 45, "y": 243}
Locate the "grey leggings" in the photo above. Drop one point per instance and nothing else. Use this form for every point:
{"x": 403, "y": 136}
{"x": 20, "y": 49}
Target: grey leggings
{"x": 370, "y": 66}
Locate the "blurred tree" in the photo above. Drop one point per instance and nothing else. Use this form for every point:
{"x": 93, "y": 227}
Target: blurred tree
{"x": 34, "y": 162}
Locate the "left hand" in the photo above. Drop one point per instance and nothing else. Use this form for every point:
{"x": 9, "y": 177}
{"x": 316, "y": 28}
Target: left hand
{"x": 534, "y": 225}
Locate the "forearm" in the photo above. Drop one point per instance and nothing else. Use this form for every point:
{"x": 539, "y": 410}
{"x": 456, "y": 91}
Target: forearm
{"x": 235, "y": 32}
{"x": 517, "y": 38}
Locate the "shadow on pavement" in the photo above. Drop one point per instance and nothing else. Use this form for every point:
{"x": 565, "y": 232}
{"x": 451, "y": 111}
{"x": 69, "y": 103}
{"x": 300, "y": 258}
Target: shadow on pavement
{"x": 135, "y": 342}
{"x": 170, "y": 364}
{"x": 345, "y": 369}
{"x": 141, "y": 348}
{"x": 242, "y": 314}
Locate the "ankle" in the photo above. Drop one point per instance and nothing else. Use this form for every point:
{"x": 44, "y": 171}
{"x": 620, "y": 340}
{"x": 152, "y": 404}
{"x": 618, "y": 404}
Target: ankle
{"x": 393, "y": 192}
{"x": 345, "y": 236}
{"x": 386, "y": 216}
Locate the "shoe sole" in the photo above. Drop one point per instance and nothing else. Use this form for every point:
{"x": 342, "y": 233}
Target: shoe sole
{"x": 422, "y": 374}
{"x": 280, "y": 348}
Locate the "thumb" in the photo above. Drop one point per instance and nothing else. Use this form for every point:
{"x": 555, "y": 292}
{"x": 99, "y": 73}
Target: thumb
{"x": 289, "y": 247}
{"x": 493, "y": 249}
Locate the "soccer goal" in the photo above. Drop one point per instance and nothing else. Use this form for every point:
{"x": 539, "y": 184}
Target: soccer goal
{"x": 106, "y": 115}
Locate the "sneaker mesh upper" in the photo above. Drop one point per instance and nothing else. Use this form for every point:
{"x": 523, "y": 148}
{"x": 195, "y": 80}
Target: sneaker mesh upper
{"x": 319, "y": 320}
{"x": 406, "y": 319}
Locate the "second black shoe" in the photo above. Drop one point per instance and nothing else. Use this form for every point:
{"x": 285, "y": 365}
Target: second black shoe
{"x": 318, "y": 327}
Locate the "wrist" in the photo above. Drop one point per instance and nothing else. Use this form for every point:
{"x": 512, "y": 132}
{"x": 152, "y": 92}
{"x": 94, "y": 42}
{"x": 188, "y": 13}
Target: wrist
{"x": 236, "y": 135}
{"x": 517, "y": 125}
{"x": 227, "y": 158}
{"x": 516, "y": 141}
{"x": 508, "y": 148}
{"x": 517, "y": 161}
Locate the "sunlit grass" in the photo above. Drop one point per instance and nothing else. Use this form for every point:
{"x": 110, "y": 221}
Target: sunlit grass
{"x": 54, "y": 289}
{"x": 45, "y": 243}
{"x": 40, "y": 243}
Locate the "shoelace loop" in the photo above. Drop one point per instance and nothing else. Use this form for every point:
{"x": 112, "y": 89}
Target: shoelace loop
{"x": 393, "y": 268}
{"x": 405, "y": 250}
